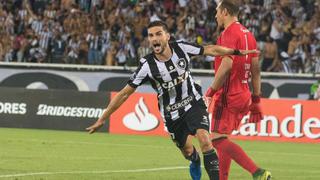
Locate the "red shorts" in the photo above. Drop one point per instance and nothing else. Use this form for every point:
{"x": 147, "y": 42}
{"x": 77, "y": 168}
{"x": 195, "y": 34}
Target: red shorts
{"x": 227, "y": 119}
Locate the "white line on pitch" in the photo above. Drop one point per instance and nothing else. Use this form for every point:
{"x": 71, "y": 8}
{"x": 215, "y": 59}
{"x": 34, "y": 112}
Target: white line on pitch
{"x": 94, "y": 172}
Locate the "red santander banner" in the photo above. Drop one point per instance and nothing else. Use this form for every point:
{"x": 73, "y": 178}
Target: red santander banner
{"x": 284, "y": 120}
{"x": 138, "y": 115}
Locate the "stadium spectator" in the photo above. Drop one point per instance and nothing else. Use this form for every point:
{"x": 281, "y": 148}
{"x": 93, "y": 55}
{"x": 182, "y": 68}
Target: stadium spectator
{"x": 73, "y": 49}
{"x": 1, "y": 51}
{"x": 269, "y": 55}
{"x": 58, "y": 49}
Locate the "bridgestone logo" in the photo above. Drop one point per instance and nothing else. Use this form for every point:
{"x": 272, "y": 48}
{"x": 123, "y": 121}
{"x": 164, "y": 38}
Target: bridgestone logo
{"x": 67, "y": 111}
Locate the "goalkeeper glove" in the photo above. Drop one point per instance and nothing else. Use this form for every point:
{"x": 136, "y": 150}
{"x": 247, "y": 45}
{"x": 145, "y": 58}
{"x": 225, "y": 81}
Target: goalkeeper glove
{"x": 255, "y": 110}
{"x": 208, "y": 96}
{"x": 210, "y": 92}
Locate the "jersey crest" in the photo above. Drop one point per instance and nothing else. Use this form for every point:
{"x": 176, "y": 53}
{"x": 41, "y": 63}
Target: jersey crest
{"x": 182, "y": 63}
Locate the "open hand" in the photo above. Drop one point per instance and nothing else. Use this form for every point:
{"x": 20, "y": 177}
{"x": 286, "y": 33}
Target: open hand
{"x": 97, "y": 125}
{"x": 255, "y": 115}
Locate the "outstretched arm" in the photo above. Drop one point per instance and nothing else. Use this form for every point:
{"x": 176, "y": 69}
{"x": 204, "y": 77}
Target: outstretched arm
{"x": 215, "y": 50}
{"x": 115, "y": 103}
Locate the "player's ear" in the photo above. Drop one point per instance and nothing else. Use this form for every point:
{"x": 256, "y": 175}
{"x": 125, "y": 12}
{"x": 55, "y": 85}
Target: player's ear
{"x": 225, "y": 12}
{"x": 168, "y": 36}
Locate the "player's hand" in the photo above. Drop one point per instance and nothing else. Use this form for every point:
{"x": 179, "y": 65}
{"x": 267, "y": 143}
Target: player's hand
{"x": 208, "y": 96}
{"x": 210, "y": 92}
{"x": 97, "y": 125}
{"x": 245, "y": 52}
{"x": 207, "y": 100}
{"x": 255, "y": 115}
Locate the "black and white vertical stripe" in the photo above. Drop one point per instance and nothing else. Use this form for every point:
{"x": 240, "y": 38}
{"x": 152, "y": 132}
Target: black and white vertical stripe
{"x": 44, "y": 39}
{"x": 93, "y": 41}
{"x": 36, "y": 25}
{"x": 161, "y": 73}
{"x": 22, "y": 13}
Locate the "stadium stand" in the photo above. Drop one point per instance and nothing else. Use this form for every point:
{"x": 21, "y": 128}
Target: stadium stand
{"x": 113, "y": 32}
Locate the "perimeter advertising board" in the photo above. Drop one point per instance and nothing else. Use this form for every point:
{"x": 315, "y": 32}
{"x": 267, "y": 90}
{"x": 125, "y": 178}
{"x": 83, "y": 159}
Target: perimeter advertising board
{"x": 50, "y": 109}
{"x": 284, "y": 120}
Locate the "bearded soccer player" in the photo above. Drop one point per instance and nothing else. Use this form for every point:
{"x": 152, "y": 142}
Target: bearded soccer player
{"x": 179, "y": 98}
{"x": 229, "y": 95}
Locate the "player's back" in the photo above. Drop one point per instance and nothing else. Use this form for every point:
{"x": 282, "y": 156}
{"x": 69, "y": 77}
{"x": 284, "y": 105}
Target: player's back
{"x": 236, "y": 88}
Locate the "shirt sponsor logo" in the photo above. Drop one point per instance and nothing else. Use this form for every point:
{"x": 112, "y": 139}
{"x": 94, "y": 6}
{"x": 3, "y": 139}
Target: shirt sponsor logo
{"x": 171, "y": 84}
{"x": 68, "y": 111}
{"x": 141, "y": 119}
{"x": 180, "y": 104}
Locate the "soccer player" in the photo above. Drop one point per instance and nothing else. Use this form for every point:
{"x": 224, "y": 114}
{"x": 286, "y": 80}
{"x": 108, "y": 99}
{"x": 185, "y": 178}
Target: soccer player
{"x": 180, "y": 101}
{"x": 229, "y": 94}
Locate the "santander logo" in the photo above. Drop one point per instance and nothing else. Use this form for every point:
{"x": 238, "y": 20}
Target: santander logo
{"x": 141, "y": 119}
{"x": 271, "y": 126}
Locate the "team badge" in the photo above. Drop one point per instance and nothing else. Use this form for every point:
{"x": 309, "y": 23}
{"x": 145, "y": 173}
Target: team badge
{"x": 182, "y": 63}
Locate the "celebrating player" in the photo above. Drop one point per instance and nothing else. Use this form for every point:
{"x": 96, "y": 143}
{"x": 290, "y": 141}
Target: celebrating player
{"x": 230, "y": 93}
{"x": 179, "y": 98}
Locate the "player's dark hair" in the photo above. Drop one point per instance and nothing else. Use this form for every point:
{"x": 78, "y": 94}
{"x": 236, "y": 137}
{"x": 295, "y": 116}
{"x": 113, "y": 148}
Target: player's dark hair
{"x": 232, "y": 6}
{"x": 159, "y": 23}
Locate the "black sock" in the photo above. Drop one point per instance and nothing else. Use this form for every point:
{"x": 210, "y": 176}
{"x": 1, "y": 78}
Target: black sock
{"x": 211, "y": 164}
{"x": 194, "y": 156}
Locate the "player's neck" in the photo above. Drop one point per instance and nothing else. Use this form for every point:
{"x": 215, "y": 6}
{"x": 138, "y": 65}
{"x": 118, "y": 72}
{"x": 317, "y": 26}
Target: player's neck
{"x": 165, "y": 55}
{"x": 229, "y": 21}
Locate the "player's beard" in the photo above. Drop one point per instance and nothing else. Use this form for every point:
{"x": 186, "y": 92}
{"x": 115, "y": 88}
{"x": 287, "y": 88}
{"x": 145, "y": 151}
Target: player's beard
{"x": 161, "y": 48}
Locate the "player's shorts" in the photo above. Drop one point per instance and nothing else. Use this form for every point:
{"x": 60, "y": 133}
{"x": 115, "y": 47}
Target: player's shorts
{"x": 195, "y": 118}
{"x": 226, "y": 119}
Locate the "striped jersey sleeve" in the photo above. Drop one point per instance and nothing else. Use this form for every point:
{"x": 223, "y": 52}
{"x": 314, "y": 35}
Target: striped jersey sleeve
{"x": 191, "y": 49}
{"x": 140, "y": 76}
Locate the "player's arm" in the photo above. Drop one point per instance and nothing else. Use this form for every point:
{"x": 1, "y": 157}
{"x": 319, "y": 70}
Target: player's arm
{"x": 222, "y": 73}
{"x": 256, "y": 114}
{"x": 215, "y": 50}
{"x": 255, "y": 76}
{"x": 136, "y": 79}
{"x": 220, "y": 77}
{"x": 115, "y": 103}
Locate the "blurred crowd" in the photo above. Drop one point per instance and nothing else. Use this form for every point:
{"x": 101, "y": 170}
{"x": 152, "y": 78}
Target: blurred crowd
{"x": 114, "y": 32}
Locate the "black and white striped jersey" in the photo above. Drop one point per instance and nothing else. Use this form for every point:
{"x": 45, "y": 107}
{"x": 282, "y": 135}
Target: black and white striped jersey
{"x": 171, "y": 79}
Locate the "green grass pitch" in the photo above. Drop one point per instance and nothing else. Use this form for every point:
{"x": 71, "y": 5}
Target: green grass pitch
{"x": 58, "y": 155}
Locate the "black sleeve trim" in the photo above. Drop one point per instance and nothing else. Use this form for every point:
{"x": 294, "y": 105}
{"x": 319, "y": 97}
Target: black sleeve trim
{"x": 201, "y": 50}
{"x": 130, "y": 83}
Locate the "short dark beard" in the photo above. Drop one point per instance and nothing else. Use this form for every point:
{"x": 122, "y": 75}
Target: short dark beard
{"x": 162, "y": 49}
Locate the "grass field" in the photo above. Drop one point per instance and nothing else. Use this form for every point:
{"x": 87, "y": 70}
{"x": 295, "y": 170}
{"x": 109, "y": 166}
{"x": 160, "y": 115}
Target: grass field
{"x": 56, "y": 155}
